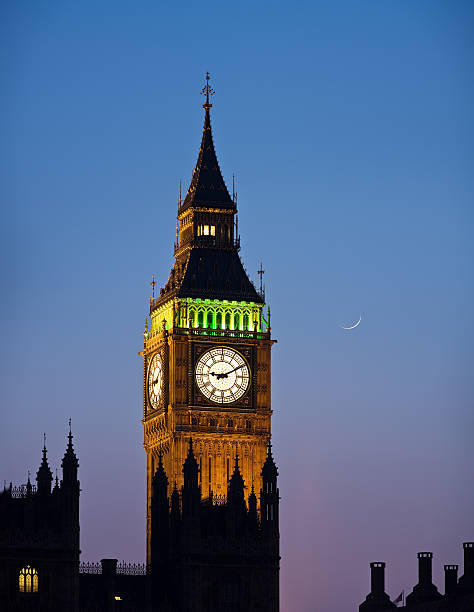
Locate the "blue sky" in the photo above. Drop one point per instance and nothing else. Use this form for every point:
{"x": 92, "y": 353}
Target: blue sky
{"x": 349, "y": 127}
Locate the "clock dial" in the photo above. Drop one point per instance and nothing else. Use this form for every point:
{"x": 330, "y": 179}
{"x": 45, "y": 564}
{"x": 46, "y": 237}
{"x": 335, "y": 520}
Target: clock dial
{"x": 155, "y": 379}
{"x": 222, "y": 375}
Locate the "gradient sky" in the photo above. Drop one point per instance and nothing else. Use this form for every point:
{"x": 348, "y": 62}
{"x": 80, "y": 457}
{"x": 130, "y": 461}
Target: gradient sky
{"x": 349, "y": 126}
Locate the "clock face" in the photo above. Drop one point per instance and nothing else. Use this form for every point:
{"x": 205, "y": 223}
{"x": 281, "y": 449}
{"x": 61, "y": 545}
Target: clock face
{"x": 222, "y": 375}
{"x": 155, "y": 379}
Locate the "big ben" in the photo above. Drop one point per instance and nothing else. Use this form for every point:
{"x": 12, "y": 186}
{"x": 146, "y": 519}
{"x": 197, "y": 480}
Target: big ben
{"x": 207, "y": 364}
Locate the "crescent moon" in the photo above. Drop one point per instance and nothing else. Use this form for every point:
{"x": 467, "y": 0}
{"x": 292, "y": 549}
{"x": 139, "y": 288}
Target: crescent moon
{"x": 352, "y": 326}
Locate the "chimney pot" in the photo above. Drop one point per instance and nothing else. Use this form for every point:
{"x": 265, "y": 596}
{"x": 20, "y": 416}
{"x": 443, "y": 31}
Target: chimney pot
{"x": 377, "y": 577}
{"x": 450, "y": 578}
{"x": 424, "y": 568}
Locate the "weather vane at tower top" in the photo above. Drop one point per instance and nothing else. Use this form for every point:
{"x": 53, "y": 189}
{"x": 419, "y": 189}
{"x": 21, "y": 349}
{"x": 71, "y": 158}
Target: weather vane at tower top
{"x": 208, "y": 91}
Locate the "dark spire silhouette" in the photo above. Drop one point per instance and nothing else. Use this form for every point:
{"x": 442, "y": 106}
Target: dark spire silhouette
{"x": 190, "y": 468}
{"x": 269, "y": 469}
{"x": 160, "y": 480}
{"x": 207, "y": 186}
{"x": 29, "y": 488}
{"x": 236, "y": 482}
{"x": 44, "y": 476}
{"x": 69, "y": 462}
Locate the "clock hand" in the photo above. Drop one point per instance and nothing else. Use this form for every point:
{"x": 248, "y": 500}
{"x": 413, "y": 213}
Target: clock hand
{"x": 224, "y": 374}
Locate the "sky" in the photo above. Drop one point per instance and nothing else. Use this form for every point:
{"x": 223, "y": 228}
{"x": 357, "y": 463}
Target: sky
{"x": 349, "y": 127}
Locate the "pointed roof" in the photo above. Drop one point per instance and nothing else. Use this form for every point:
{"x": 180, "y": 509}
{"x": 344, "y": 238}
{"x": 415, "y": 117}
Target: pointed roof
{"x": 190, "y": 467}
{"x": 44, "y": 474}
{"x": 207, "y": 186}
{"x": 70, "y": 459}
{"x": 269, "y": 469}
{"x": 236, "y": 482}
{"x": 160, "y": 479}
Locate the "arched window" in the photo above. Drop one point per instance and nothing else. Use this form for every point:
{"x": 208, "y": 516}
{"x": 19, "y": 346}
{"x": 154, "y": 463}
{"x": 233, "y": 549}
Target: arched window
{"x": 200, "y": 318}
{"x": 191, "y": 318}
{"x": 219, "y": 320}
{"x": 28, "y": 580}
{"x": 246, "y": 321}
{"x": 236, "y": 321}
{"x": 210, "y": 319}
{"x": 227, "y": 320}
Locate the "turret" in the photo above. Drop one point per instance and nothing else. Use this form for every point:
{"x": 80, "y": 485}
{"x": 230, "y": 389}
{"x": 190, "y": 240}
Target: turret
{"x": 269, "y": 494}
{"x": 159, "y": 516}
{"x": 237, "y": 510}
{"x": 191, "y": 494}
{"x": 253, "y": 516}
{"x": 377, "y": 599}
{"x": 44, "y": 477}
{"x": 425, "y": 590}
{"x": 70, "y": 463}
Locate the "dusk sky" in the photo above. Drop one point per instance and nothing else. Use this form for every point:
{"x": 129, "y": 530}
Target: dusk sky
{"x": 350, "y": 129}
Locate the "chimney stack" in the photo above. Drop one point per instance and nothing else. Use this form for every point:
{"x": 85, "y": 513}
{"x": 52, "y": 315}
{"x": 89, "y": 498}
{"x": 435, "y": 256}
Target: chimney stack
{"x": 377, "y": 599}
{"x": 450, "y": 578}
{"x": 469, "y": 560}
{"x": 377, "y": 577}
{"x": 466, "y": 582}
{"x": 424, "y": 568}
{"x": 425, "y": 590}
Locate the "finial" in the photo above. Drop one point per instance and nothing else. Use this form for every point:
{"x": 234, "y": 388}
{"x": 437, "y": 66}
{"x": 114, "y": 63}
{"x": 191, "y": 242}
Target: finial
{"x": 70, "y": 433}
{"x": 208, "y": 91}
{"x": 146, "y": 326}
{"x": 44, "y": 442}
{"x": 153, "y": 283}
{"x": 233, "y": 187}
{"x": 261, "y": 272}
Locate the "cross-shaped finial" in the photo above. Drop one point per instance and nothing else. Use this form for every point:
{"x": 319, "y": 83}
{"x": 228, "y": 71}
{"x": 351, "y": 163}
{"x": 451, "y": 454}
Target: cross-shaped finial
{"x": 153, "y": 283}
{"x": 208, "y": 91}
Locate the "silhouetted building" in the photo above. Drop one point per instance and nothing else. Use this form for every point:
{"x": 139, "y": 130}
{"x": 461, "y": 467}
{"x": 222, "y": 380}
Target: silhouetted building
{"x": 215, "y": 555}
{"x": 425, "y": 597}
{"x": 39, "y": 541}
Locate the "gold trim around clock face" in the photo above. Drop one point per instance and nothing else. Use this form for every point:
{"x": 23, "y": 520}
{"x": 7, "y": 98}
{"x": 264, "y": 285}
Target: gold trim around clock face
{"x": 222, "y": 375}
{"x": 155, "y": 380}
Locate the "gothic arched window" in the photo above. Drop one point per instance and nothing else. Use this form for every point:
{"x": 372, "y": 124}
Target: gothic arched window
{"x": 28, "y": 580}
{"x": 200, "y": 318}
{"x": 227, "y": 320}
{"x": 246, "y": 322}
{"x": 219, "y": 320}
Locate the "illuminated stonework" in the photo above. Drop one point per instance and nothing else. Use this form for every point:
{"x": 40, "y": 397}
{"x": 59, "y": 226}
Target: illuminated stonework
{"x": 207, "y": 303}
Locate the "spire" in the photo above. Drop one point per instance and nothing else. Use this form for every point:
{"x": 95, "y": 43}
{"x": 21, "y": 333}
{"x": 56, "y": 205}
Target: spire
{"x": 160, "y": 480}
{"x": 44, "y": 476}
{"x": 70, "y": 462}
{"x": 207, "y": 186}
{"x": 236, "y": 483}
{"x": 269, "y": 469}
{"x": 190, "y": 468}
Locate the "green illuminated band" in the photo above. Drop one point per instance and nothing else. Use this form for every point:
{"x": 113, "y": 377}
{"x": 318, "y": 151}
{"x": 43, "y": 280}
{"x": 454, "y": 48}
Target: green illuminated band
{"x": 190, "y": 313}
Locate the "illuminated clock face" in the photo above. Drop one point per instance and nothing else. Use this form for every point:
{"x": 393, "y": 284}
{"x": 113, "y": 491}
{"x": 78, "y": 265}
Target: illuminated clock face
{"x": 155, "y": 379}
{"x": 222, "y": 375}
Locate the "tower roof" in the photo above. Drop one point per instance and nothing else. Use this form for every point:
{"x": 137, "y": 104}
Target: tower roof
{"x": 44, "y": 473}
{"x": 269, "y": 469}
{"x": 207, "y": 186}
{"x": 159, "y": 478}
{"x": 70, "y": 459}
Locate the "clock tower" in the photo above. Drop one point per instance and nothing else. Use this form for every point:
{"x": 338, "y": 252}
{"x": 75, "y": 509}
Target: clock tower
{"x": 207, "y": 366}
